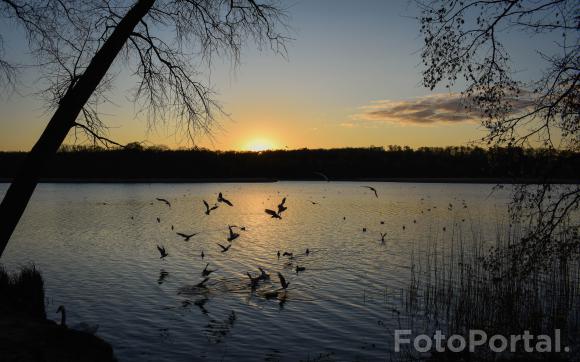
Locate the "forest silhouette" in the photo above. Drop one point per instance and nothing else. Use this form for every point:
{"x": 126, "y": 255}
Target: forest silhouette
{"x": 138, "y": 163}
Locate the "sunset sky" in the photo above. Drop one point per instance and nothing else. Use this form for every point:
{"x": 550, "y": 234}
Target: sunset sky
{"x": 351, "y": 78}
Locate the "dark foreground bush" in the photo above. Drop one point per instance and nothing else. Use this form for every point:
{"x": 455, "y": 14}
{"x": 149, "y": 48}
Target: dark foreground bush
{"x": 22, "y": 293}
{"x": 27, "y": 336}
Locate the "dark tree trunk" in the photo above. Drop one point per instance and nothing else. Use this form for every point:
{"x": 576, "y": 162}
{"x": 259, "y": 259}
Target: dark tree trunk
{"x": 22, "y": 187}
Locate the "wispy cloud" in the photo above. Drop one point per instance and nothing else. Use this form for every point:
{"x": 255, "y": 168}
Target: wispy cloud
{"x": 427, "y": 110}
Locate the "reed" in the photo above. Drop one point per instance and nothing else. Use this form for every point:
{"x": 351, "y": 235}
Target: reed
{"x": 455, "y": 286}
{"x": 22, "y": 292}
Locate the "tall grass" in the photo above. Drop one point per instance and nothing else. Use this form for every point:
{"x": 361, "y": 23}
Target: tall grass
{"x": 22, "y": 292}
{"x": 454, "y": 288}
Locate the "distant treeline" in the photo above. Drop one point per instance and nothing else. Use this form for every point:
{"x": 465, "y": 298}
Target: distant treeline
{"x": 139, "y": 163}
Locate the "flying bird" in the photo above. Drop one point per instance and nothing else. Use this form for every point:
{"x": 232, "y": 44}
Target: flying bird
{"x": 224, "y": 248}
{"x": 283, "y": 281}
{"x": 233, "y": 235}
{"x": 164, "y": 201}
{"x": 206, "y": 272}
{"x": 162, "y": 251}
{"x": 282, "y": 207}
{"x": 253, "y": 280}
{"x": 383, "y": 235}
{"x": 221, "y": 198}
{"x": 209, "y": 209}
{"x": 373, "y": 190}
{"x": 186, "y": 237}
{"x": 322, "y": 175}
{"x": 300, "y": 269}
{"x": 273, "y": 213}
{"x": 314, "y": 202}
{"x": 263, "y": 274}
{"x": 287, "y": 254}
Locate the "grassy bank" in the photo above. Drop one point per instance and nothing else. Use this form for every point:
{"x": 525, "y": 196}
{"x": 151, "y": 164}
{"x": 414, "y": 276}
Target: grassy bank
{"x": 25, "y": 333}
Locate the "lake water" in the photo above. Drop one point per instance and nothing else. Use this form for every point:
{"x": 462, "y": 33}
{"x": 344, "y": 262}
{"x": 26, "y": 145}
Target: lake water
{"x": 96, "y": 247}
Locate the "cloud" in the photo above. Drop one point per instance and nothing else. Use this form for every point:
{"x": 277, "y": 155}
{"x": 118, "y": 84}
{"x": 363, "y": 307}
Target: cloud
{"x": 427, "y": 110}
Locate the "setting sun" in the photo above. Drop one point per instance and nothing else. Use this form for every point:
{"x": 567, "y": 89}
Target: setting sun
{"x": 259, "y": 144}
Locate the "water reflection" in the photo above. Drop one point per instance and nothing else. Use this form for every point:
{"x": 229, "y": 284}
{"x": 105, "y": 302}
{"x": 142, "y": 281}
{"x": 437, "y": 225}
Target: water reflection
{"x": 351, "y": 279}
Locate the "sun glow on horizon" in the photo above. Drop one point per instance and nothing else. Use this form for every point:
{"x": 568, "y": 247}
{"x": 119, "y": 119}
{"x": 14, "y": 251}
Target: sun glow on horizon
{"x": 259, "y": 144}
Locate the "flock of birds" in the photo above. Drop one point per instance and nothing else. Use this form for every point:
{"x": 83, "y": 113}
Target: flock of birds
{"x": 234, "y": 233}
{"x": 279, "y": 293}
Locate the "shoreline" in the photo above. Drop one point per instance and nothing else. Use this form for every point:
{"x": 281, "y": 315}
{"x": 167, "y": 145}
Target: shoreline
{"x": 457, "y": 180}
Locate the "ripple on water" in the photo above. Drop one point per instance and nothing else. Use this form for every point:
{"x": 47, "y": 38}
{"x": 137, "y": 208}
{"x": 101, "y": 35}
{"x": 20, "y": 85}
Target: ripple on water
{"x": 96, "y": 245}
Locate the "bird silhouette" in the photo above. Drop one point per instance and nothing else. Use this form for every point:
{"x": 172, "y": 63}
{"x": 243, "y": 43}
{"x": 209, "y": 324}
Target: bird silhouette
{"x": 209, "y": 209}
{"x": 282, "y": 207}
{"x": 162, "y": 251}
{"x": 263, "y": 274}
{"x": 373, "y": 190}
{"x": 233, "y": 235}
{"x": 253, "y": 280}
{"x": 273, "y": 213}
{"x": 202, "y": 255}
{"x": 224, "y": 248}
{"x": 383, "y": 235}
{"x": 307, "y": 251}
{"x": 286, "y": 253}
{"x": 283, "y": 281}
{"x": 158, "y": 220}
{"x": 186, "y": 237}
{"x": 81, "y": 327}
{"x": 164, "y": 201}
{"x": 221, "y": 198}
{"x": 206, "y": 272}
{"x": 300, "y": 269}
{"x": 313, "y": 202}
{"x": 323, "y": 176}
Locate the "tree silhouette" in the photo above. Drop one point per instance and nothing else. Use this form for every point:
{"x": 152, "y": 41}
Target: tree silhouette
{"x": 77, "y": 41}
{"x": 463, "y": 42}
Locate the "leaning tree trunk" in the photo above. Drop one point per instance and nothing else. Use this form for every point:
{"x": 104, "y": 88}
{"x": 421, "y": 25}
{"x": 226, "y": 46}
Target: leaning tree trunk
{"x": 22, "y": 187}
